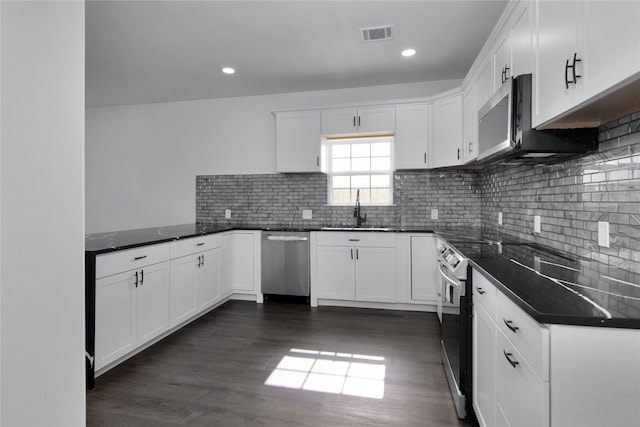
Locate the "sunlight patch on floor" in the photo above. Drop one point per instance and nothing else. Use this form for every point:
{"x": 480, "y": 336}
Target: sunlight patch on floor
{"x": 329, "y": 372}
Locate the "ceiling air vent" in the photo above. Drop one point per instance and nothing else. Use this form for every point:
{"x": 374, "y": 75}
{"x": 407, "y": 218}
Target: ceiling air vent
{"x": 374, "y": 34}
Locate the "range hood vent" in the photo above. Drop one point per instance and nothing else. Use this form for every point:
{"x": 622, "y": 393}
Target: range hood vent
{"x": 375, "y": 34}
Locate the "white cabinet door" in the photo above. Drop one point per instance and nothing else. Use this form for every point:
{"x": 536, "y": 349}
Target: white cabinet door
{"x": 152, "y": 302}
{"x": 611, "y": 43}
{"x": 501, "y": 62}
{"x": 115, "y": 317}
{"x": 484, "y": 367}
{"x": 336, "y": 275}
{"x": 520, "y": 43}
{"x": 237, "y": 263}
{"x": 424, "y": 270}
{"x": 344, "y": 121}
{"x": 376, "y": 119}
{"x": 339, "y": 121}
{"x": 484, "y": 85}
{"x": 556, "y": 41}
{"x": 446, "y": 144}
{"x": 183, "y": 288}
{"x": 298, "y": 142}
{"x": 522, "y": 396}
{"x": 375, "y": 274}
{"x": 412, "y": 136}
{"x": 470, "y": 125}
{"x": 208, "y": 279}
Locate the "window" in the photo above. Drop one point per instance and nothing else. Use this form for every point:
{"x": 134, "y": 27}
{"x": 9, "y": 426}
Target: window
{"x": 360, "y": 164}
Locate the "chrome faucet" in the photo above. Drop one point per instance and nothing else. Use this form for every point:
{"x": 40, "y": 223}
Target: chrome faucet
{"x": 356, "y": 212}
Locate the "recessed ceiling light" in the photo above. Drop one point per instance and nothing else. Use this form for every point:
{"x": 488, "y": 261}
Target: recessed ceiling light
{"x": 228, "y": 70}
{"x": 408, "y": 52}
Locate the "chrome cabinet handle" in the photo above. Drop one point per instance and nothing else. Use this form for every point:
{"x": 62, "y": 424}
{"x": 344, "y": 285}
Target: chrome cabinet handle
{"x": 138, "y": 258}
{"x": 202, "y": 260}
{"x": 480, "y": 291}
{"x": 357, "y": 254}
{"x": 136, "y": 283}
{"x": 141, "y": 277}
{"x": 354, "y": 121}
{"x": 425, "y": 158}
{"x": 317, "y": 160}
{"x": 200, "y": 244}
{"x": 509, "y": 324}
{"x": 354, "y": 240}
{"x": 510, "y": 359}
{"x": 351, "y": 253}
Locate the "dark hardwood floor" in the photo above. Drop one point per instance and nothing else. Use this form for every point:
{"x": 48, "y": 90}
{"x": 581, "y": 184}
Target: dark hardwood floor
{"x": 213, "y": 371}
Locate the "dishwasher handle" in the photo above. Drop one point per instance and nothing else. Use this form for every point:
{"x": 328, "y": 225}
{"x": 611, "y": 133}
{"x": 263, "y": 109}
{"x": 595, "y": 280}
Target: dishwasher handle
{"x": 276, "y": 238}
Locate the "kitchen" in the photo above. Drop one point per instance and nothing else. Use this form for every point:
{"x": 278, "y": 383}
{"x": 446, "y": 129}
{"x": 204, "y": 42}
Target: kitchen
{"x": 152, "y": 197}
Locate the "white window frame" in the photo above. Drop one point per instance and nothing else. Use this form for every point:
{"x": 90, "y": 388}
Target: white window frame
{"x": 330, "y": 172}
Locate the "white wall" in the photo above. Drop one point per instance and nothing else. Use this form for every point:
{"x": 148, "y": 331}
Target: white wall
{"x": 141, "y": 160}
{"x": 42, "y": 363}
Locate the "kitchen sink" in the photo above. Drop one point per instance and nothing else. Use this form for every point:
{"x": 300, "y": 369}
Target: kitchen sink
{"x": 355, "y": 229}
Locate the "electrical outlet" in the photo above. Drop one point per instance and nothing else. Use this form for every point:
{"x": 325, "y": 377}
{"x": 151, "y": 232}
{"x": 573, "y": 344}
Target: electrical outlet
{"x": 434, "y": 213}
{"x": 499, "y": 218}
{"x": 603, "y": 234}
{"x": 227, "y": 213}
{"x": 536, "y": 224}
{"x": 307, "y": 214}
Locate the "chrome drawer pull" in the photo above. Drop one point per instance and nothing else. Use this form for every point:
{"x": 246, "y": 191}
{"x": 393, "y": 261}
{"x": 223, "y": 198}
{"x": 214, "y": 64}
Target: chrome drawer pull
{"x": 354, "y": 240}
{"x": 200, "y": 244}
{"x": 138, "y": 258}
{"x": 509, "y": 324}
{"x": 480, "y": 291}
{"x": 512, "y": 362}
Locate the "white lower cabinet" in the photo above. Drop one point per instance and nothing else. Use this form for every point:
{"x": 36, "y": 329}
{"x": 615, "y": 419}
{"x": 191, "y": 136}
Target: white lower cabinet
{"x": 238, "y": 262}
{"x": 356, "y": 266}
{"x": 195, "y": 284}
{"x": 522, "y": 395}
{"x": 484, "y": 367}
{"x": 507, "y": 389}
{"x": 336, "y": 272}
{"x": 143, "y": 293}
{"x": 529, "y": 374}
{"x": 375, "y": 274}
{"x": 424, "y": 270}
{"x": 131, "y": 308}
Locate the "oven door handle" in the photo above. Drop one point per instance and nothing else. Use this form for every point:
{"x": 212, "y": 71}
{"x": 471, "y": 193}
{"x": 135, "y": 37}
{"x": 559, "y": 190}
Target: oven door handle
{"x": 446, "y": 277}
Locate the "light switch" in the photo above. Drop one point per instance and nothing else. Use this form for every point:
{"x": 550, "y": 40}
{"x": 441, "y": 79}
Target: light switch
{"x": 499, "y": 218}
{"x": 434, "y": 213}
{"x": 603, "y": 234}
{"x": 227, "y": 213}
{"x": 536, "y": 224}
{"x": 306, "y": 214}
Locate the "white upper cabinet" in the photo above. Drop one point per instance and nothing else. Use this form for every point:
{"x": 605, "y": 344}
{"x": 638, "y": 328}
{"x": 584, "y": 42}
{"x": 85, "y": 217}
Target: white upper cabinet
{"x": 555, "y": 46}
{"x": 298, "y": 142}
{"x": 469, "y": 125}
{"x": 484, "y": 85}
{"x": 582, "y": 50}
{"x": 512, "y": 52}
{"x": 446, "y": 144}
{"x": 348, "y": 121}
{"x": 412, "y": 136}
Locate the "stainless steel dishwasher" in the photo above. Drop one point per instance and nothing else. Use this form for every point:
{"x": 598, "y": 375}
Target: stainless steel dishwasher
{"x": 285, "y": 263}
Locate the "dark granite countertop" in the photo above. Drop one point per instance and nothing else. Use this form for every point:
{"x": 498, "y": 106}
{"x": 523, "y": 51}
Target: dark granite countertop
{"x": 553, "y": 287}
{"x": 98, "y": 243}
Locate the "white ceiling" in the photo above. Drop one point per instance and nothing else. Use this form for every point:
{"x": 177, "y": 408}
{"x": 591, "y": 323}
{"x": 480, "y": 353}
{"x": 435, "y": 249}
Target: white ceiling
{"x": 158, "y": 51}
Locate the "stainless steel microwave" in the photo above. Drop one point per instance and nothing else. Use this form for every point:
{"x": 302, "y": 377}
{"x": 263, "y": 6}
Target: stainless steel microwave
{"x": 505, "y": 133}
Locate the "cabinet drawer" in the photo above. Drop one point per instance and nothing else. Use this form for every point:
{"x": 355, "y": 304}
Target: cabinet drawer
{"x": 484, "y": 293}
{"x": 523, "y": 398}
{"x": 193, "y": 245}
{"x": 117, "y": 262}
{"x": 340, "y": 238}
{"x": 528, "y": 336}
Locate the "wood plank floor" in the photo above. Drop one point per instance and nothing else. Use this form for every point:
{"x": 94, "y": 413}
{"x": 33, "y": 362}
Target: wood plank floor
{"x": 213, "y": 371}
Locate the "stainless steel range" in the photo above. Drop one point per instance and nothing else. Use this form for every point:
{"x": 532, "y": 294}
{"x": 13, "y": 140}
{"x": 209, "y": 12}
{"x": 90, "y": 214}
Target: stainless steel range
{"x": 454, "y": 311}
